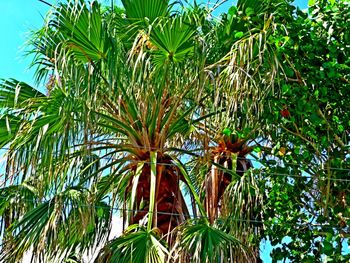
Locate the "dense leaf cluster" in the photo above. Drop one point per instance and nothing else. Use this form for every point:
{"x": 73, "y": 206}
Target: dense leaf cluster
{"x": 308, "y": 212}
{"x": 207, "y": 136}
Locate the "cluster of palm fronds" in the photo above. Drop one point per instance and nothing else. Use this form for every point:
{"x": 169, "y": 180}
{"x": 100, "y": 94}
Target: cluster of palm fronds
{"x": 132, "y": 119}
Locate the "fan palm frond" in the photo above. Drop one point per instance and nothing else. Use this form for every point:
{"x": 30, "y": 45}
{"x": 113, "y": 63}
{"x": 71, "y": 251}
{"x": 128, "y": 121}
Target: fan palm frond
{"x": 136, "y": 245}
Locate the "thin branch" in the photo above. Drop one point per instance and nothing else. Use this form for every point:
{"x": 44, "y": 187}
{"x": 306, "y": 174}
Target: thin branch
{"x": 336, "y": 137}
{"x": 303, "y": 138}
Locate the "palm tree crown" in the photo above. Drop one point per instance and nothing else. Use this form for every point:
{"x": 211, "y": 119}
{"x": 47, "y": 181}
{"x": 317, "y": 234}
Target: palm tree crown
{"x": 132, "y": 119}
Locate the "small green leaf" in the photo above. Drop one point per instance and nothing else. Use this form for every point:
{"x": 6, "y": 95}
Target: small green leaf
{"x": 285, "y": 89}
{"x": 227, "y": 132}
{"x": 311, "y": 2}
{"x": 232, "y": 11}
{"x": 249, "y": 11}
{"x": 257, "y": 149}
{"x": 239, "y": 34}
{"x": 327, "y": 248}
{"x": 297, "y": 150}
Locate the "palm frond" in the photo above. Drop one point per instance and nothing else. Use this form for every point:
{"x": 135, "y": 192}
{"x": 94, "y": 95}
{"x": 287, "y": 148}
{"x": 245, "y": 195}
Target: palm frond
{"x": 202, "y": 242}
{"x": 67, "y": 222}
{"x": 136, "y": 245}
{"x": 145, "y": 9}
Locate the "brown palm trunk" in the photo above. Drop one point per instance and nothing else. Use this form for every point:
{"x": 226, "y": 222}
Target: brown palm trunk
{"x": 170, "y": 207}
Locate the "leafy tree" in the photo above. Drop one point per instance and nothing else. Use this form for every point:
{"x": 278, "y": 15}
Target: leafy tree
{"x": 308, "y": 186}
{"x": 156, "y": 110}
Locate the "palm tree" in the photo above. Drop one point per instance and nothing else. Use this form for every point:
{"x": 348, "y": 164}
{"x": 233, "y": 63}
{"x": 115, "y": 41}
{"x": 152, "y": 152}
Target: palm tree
{"x": 130, "y": 93}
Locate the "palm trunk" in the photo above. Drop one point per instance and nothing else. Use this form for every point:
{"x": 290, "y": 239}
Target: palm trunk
{"x": 169, "y": 207}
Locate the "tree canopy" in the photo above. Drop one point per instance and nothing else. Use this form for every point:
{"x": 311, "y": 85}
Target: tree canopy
{"x": 206, "y": 135}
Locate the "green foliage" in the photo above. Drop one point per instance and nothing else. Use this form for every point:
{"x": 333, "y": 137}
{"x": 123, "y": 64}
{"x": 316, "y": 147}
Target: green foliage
{"x": 145, "y": 9}
{"x": 136, "y": 245}
{"x": 150, "y": 102}
{"x": 205, "y": 242}
{"x": 173, "y": 41}
{"x": 308, "y": 190}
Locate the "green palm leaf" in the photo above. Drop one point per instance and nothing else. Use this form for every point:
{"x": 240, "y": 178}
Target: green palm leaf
{"x": 173, "y": 39}
{"x": 149, "y": 9}
{"x": 8, "y": 127}
{"x": 13, "y": 92}
{"x": 136, "y": 245}
{"x": 66, "y": 223}
{"x": 83, "y": 30}
{"x": 204, "y": 242}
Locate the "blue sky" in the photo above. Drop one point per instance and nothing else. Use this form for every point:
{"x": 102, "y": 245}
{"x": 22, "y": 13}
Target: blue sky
{"x": 17, "y": 18}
